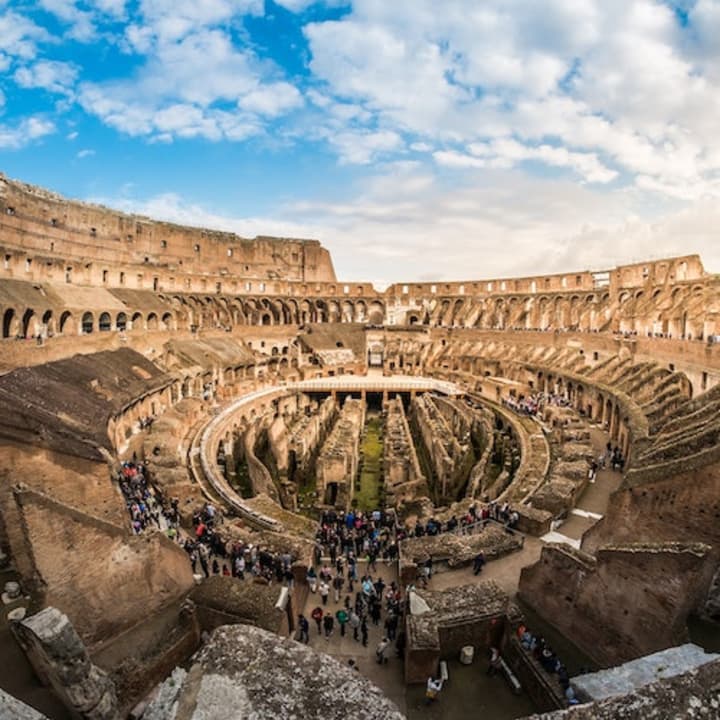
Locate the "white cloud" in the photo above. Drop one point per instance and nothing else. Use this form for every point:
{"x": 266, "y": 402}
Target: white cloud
{"x": 589, "y": 83}
{"x": 272, "y": 99}
{"x": 85, "y": 153}
{"x": 19, "y": 37}
{"x": 22, "y": 134}
{"x": 362, "y": 147}
{"x": 51, "y": 75}
{"x": 81, "y": 21}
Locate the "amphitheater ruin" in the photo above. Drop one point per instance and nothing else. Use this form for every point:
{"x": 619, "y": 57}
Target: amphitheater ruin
{"x": 206, "y": 439}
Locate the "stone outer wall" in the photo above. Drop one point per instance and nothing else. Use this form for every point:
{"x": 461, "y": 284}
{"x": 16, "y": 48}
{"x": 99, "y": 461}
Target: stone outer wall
{"x": 624, "y": 602}
{"x": 98, "y": 574}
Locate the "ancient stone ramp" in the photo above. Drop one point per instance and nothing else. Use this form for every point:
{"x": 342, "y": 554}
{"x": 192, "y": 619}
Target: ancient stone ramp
{"x": 66, "y": 405}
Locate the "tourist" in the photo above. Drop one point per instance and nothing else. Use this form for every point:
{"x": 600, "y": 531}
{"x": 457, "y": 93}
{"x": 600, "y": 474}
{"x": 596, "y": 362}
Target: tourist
{"x": 380, "y": 651}
{"x": 432, "y": 690}
{"x": 342, "y": 618}
{"x": 495, "y": 662}
{"x": 317, "y": 616}
{"x": 324, "y": 591}
{"x": 364, "y": 632}
{"x": 312, "y": 579}
{"x": 303, "y": 629}
{"x": 354, "y": 620}
{"x": 337, "y": 584}
{"x": 328, "y": 625}
{"x": 478, "y": 563}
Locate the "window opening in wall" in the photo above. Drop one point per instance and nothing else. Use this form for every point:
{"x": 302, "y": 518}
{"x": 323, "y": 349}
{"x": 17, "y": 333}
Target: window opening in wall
{"x": 503, "y": 285}
{"x": 9, "y": 210}
{"x": 163, "y": 244}
{"x": 247, "y": 268}
{"x": 489, "y": 287}
{"x": 248, "y": 286}
{"x": 196, "y": 248}
{"x": 122, "y": 278}
{"x": 53, "y": 222}
{"x": 28, "y": 264}
{"x": 461, "y": 289}
{"x": 596, "y": 356}
{"x": 6, "y": 264}
{"x": 52, "y": 246}
{"x": 703, "y": 383}
{"x": 346, "y": 289}
{"x": 433, "y": 289}
{"x": 147, "y": 260}
{"x": 262, "y": 287}
{"x": 405, "y": 289}
{"x": 68, "y": 275}
{"x": 105, "y": 276}
{"x": 563, "y": 282}
{"x": 229, "y": 252}
{"x": 672, "y": 367}
{"x": 87, "y": 323}
{"x": 218, "y": 287}
{"x": 93, "y": 231}
{"x": 156, "y": 282}
{"x": 578, "y": 280}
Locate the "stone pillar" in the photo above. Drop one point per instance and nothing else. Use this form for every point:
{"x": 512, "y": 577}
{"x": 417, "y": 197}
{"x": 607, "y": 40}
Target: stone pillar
{"x": 60, "y": 659}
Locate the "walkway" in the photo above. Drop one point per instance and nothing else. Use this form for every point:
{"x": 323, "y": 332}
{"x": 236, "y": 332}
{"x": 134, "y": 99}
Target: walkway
{"x": 593, "y": 502}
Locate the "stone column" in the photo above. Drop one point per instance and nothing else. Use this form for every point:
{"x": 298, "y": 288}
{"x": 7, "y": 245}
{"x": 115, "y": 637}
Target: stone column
{"x": 60, "y": 660}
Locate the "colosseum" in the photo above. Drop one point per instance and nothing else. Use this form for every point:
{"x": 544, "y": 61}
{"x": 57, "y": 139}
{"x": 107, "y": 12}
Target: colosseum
{"x": 234, "y": 486}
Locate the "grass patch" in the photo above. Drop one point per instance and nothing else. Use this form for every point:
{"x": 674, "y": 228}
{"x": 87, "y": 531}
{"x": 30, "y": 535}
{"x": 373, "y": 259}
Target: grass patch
{"x": 369, "y": 482}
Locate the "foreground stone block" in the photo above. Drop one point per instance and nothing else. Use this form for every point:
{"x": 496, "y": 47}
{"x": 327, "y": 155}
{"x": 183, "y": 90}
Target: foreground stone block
{"x": 60, "y": 659}
{"x": 246, "y": 672}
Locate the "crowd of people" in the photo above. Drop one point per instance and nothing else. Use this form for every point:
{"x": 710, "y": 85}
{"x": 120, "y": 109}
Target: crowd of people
{"x": 550, "y": 662}
{"x": 146, "y": 505}
{"x": 351, "y": 601}
{"x": 211, "y": 554}
{"x": 499, "y": 512}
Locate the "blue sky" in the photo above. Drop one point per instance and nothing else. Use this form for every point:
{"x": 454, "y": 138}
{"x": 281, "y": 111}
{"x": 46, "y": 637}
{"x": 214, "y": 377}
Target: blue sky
{"x": 415, "y": 139}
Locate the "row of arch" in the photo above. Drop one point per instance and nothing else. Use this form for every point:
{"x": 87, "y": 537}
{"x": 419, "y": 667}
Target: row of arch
{"x": 31, "y": 323}
{"x": 632, "y": 311}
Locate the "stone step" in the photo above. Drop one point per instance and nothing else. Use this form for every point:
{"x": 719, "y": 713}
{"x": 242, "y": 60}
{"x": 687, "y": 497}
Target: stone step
{"x": 586, "y": 514}
{"x": 555, "y": 537}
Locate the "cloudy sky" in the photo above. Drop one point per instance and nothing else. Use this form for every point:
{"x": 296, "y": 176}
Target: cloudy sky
{"x": 416, "y": 139}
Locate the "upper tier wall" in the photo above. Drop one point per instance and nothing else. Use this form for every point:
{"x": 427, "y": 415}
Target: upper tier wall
{"x": 45, "y": 224}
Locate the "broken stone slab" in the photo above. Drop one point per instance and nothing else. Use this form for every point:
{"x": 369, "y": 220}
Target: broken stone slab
{"x": 14, "y": 709}
{"x": 17, "y": 614}
{"x": 60, "y": 659}
{"x": 12, "y": 590}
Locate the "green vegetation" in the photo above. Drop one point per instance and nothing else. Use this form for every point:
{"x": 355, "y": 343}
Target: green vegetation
{"x": 368, "y": 486}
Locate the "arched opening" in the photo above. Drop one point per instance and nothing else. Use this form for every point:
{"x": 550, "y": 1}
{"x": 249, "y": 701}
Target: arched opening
{"x": 9, "y": 323}
{"x": 47, "y": 321}
{"x": 105, "y": 323}
{"x": 137, "y": 321}
{"x": 86, "y": 325}
{"x": 167, "y": 321}
{"x": 65, "y": 326}
{"x": 152, "y": 321}
{"x": 29, "y": 321}
{"x": 121, "y": 322}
